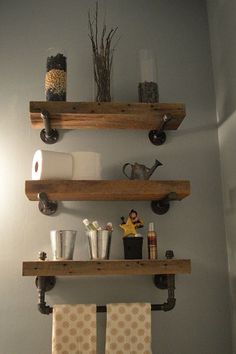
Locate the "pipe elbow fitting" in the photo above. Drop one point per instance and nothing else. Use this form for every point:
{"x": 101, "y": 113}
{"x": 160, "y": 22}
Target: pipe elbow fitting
{"x": 170, "y": 304}
{"x": 44, "y": 309}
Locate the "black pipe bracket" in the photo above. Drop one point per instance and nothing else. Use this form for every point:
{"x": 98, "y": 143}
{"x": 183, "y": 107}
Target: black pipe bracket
{"x": 46, "y": 206}
{"x": 158, "y": 136}
{"x": 44, "y": 284}
{"x": 166, "y": 282}
{"x": 161, "y": 206}
{"x": 48, "y": 135}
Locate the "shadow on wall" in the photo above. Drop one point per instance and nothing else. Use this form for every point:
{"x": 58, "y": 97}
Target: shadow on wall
{"x": 230, "y": 205}
{"x": 227, "y": 146}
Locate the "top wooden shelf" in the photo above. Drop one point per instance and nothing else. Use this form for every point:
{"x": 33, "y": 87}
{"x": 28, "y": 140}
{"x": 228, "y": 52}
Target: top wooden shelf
{"x": 107, "y": 115}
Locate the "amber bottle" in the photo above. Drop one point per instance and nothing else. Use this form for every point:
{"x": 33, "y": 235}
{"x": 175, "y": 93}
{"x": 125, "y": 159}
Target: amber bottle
{"x": 152, "y": 241}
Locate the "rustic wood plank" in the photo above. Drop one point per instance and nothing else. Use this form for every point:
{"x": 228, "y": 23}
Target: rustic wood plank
{"x": 105, "y": 190}
{"x": 107, "y": 115}
{"x": 106, "y": 267}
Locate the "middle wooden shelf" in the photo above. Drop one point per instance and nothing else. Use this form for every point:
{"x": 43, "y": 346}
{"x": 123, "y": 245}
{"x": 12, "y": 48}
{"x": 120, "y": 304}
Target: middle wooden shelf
{"x": 105, "y": 190}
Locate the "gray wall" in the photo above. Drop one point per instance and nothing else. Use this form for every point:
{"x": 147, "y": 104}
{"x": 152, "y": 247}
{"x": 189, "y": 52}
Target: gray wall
{"x": 178, "y": 31}
{"x": 222, "y": 34}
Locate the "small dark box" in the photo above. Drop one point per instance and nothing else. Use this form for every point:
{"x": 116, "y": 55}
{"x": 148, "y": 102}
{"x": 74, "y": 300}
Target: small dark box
{"x": 133, "y": 247}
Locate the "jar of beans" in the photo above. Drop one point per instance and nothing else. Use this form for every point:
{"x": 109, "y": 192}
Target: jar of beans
{"x": 55, "y": 79}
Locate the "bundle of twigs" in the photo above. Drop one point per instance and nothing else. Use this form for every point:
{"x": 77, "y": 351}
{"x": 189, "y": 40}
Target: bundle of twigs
{"x": 102, "y": 56}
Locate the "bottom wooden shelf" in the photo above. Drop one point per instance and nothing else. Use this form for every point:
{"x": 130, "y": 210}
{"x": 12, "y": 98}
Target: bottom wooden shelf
{"x": 106, "y": 267}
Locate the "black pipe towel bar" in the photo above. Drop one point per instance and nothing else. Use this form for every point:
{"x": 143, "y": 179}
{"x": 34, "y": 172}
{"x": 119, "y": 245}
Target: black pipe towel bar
{"x": 45, "y": 284}
{"x": 161, "y": 281}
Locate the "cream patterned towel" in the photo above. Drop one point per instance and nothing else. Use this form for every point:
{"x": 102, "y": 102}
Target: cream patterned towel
{"x": 128, "y": 329}
{"x": 74, "y": 329}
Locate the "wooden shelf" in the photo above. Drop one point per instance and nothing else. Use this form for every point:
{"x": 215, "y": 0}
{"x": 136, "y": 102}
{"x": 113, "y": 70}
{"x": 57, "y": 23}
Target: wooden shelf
{"x": 106, "y": 267}
{"x": 107, "y": 115}
{"x": 105, "y": 190}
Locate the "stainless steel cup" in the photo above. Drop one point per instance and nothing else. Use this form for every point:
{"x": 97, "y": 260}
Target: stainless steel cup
{"x": 99, "y": 244}
{"x": 93, "y": 244}
{"x": 62, "y": 243}
{"x": 104, "y": 244}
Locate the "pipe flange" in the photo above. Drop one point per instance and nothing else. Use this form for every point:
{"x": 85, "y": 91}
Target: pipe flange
{"x": 156, "y": 137}
{"x": 49, "y": 139}
{"x": 160, "y": 208}
{"x": 46, "y": 206}
{"x": 48, "y": 282}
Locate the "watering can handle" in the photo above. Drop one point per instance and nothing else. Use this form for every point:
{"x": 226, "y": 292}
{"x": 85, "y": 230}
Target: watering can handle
{"x": 124, "y": 167}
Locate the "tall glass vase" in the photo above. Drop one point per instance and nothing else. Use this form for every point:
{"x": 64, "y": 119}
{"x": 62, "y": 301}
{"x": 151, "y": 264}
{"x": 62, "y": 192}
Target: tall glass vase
{"x": 148, "y": 87}
{"x": 102, "y": 79}
{"x": 102, "y": 40}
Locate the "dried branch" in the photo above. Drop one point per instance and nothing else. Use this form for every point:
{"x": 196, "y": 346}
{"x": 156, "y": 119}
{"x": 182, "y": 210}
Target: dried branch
{"x": 102, "y": 55}
{"x": 96, "y": 24}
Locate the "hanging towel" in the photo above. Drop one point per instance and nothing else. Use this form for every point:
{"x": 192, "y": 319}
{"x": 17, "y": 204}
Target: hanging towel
{"x": 128, "y": 328}
{"x": 74, "y": 329}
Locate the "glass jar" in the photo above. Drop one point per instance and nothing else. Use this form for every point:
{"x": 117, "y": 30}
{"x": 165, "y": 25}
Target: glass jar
{"x": 55, "y": 79}
{"x": 147, "y": 87}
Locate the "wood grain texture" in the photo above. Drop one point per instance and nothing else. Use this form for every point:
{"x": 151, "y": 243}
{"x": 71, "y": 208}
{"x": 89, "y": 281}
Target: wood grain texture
{"x": 107, "y": 115}
{"x": 105, "y": 190}
{"x": 106, "y": 267}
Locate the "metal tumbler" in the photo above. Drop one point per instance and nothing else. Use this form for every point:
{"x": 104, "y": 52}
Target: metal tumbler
{"x": 62, "y": 243}
{"x": 99, "y": 244}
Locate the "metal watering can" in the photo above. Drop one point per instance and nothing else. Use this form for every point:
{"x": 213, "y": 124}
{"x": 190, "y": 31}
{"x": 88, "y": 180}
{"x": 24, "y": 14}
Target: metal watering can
{"x": 139, "y": 171}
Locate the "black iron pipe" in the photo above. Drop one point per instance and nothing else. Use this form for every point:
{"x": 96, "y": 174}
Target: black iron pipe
{"x": 48, "y": 134}
{"x": 42, "y": 306}
{"x": 154, "y": 307}
{"x": 46, "y": 119}
{"x": 166, "y": 306}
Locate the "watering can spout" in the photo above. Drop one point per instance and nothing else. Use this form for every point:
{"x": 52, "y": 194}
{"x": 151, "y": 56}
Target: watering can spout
{"x": 150, "y": 171}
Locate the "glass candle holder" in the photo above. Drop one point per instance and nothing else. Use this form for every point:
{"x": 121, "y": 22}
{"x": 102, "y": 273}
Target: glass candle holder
{"x": 147, "y": 87}
{"x": 55, "y": 79}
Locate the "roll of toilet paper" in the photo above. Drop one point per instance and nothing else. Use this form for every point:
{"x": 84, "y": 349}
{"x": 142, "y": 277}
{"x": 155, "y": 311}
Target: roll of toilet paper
{"x": 86, "y": 165}
{"x": 51, "y": 165}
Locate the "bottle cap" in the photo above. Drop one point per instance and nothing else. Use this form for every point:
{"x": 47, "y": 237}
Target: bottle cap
{"x": 138, "y": 235}
{"x": 86, "y": 222}
{"x": 151, "y": 226}
{"x": 95, "y": 224}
